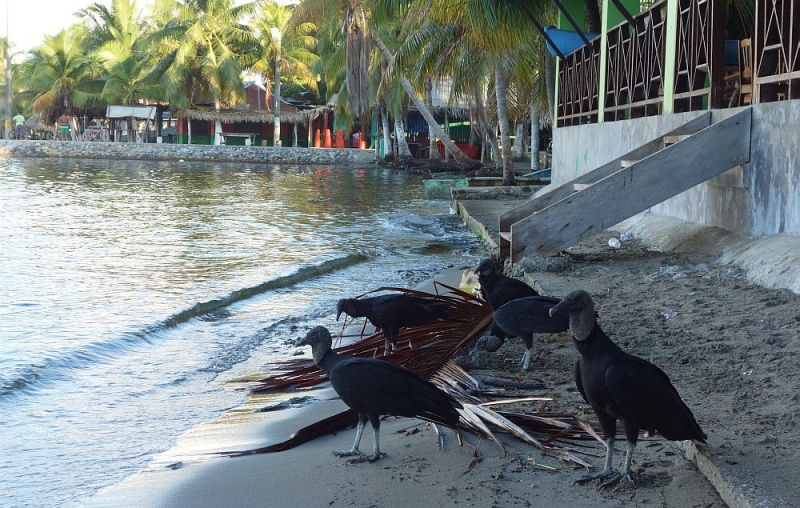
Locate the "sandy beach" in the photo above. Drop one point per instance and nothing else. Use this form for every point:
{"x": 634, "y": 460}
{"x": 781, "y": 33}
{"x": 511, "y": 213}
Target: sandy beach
{"x": 729, "y": 346}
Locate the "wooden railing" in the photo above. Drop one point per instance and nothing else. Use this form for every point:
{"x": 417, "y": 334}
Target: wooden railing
{"x": 635, "y": 67}
{"x": 699, "y": 56}
{"x": 777, "y": 50}
{"x": 635, "y": 82}
{"x": 578, "y": 85}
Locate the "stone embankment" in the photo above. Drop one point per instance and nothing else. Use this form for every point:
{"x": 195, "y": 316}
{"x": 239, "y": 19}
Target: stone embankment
{"x": 164, "y": 151}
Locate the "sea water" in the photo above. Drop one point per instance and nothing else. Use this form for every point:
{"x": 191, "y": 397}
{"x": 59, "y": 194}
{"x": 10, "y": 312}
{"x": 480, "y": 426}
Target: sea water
{"x": 129, "y": 289}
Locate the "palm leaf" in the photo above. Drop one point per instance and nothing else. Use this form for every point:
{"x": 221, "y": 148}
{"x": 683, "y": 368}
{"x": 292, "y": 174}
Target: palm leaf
{"x": 422, "y": 349}
{"x": 542, "y": 431}
{"x": 428, "y": 351}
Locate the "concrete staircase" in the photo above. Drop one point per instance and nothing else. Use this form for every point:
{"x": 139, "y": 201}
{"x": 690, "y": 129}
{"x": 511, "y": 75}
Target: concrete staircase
{"x": 664, "y": 167}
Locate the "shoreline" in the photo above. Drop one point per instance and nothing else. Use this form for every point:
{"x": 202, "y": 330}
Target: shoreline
{"x": 195, "y": 471}
{"x": 415, "y": 472}
{"x": 771, "y": 263}
{"x": 181, "y": 152}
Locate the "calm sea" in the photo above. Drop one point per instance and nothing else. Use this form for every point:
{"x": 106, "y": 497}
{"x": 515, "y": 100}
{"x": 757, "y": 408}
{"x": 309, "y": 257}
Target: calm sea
{"x": 128, "y": 289}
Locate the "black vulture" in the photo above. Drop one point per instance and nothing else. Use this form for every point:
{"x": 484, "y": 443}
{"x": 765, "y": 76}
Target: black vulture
{"x": 525, "y": 316}
{"x": 373, "y": 387}
{"x": 392, "y": 312}
{"x": 498, "y": 290}
{"x": 619, "y": 385}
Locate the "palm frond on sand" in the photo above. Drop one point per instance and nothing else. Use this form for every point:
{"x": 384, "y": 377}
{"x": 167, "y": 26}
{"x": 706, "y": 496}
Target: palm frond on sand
{"x": 428, "y": 351}
{"x": 542, "y": 431}
{"x": 422, "y": 349}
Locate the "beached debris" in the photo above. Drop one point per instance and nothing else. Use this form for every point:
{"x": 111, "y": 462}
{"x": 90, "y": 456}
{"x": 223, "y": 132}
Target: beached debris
{"x": 434, "y": 345}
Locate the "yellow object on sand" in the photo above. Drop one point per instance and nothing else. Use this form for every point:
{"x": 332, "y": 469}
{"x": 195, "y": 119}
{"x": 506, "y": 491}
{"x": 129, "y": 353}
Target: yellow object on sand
{"x": 469, "y": 282}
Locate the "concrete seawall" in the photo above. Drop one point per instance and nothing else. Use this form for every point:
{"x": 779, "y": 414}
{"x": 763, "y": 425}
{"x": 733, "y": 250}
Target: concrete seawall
{"x": 162, "y": 151}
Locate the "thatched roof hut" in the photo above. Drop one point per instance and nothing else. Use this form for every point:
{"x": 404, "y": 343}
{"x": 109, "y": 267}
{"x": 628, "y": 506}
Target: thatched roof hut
{"x": 243, "y": 115}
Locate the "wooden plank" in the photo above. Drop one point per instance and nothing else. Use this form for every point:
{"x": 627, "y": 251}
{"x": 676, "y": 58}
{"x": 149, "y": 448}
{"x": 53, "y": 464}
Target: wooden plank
{"x": 694, "y": 93}
{"x": 541, "y": 202}
{"x": 629, "y": 191}
{"x": 671, "y": 140}
{"x": 776, "y": 78}
{"x": 646, "y": 102}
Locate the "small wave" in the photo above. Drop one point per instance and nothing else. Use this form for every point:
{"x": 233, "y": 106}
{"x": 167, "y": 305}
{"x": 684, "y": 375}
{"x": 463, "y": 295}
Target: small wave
{"x": 53, "y": 369}
{"x": 301, "y": 275}
{"x": 226, "y": 358}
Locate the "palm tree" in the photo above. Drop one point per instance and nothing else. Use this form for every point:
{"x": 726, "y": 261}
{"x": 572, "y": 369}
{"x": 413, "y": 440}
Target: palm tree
{"x": 461, "y": 159}
{"x": 473, "y": 50}
{"x": 124, "y": 53}
{"x": 356, "y": 17}
{"x": 470, "y": 42}
{"x": 59, "y": 74}
{"x": 207, "y": 42}
{"x": 506, "y": 26}
{"x": 296, "y": 48}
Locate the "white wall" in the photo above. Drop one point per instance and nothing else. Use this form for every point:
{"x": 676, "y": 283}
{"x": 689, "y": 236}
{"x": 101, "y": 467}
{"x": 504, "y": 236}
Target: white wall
{"x": 760, "y": 199}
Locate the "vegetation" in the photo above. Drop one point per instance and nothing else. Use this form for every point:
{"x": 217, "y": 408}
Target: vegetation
{"x": 378, "y": 58}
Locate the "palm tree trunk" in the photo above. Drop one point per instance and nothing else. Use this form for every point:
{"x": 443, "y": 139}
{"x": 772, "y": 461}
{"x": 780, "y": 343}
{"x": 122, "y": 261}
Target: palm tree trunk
{"x": 488, "y": 128}
{"x": 550, "y": 82}
{"x": 354, "y": 26}
{"x": 519, "y": 141}
{"x": 433, "y": 150}
{"x": 593, "y": 22}
{"x": 403, "y": 151}
{"x": 502, "y": 121}
{"x": 387, "y": 137}
{"x": 460, "y": 157}
{"x": 217, "y": 124}
{"x": 535, "y": 139}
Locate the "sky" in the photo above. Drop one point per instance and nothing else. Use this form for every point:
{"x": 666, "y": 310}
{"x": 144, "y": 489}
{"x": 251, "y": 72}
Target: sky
{"x": 28, "y": 21}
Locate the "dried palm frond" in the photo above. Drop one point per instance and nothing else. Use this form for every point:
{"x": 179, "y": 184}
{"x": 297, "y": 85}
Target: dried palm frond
{"x": 434, "y": 346}
{"x": 421, "y": 349}
{"x": 538, "y": 430}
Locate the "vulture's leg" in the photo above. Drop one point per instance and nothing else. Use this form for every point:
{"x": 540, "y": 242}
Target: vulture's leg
{"x": 607, "y": 470}
{"x": 387, "y": 344}
{"x": 628, "y": 457}
{"x": 626, "y": 471}
{"x": 391, "y": 334}
{"x": 362, "y": 421}
{"x": 525, "y": 363}
{"x": 376, "y": 445}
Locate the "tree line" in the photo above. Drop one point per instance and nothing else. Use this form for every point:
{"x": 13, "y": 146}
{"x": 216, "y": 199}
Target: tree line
{"x": 377, "y": 57}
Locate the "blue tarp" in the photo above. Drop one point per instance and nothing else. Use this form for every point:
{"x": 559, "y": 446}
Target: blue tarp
{"x": 565, "y": 40}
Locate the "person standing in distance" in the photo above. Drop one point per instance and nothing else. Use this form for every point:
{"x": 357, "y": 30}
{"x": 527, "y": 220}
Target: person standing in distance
{"x": 63, "y": 126}
{"x": 19, "y": 126}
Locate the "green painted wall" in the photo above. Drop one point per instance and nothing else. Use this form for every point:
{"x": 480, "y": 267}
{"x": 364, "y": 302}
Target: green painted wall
{"x": 576, "y": 9}
{"x": 614, "y": 16}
